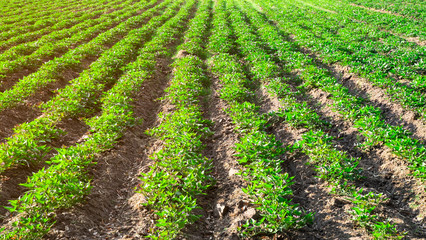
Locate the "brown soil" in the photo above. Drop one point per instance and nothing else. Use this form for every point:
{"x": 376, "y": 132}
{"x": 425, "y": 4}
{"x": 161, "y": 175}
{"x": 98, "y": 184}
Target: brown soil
{"x": 12, "y": 117}
{"x": 112, "y": 210}
{"x": 225, "y": 206}
{"x": 50, "y": 91}
{"x": 10, "y": 79}
{"x": 74, "y": 130}
{"x": 9, "y": 185}
{"x": 416, "y": 40}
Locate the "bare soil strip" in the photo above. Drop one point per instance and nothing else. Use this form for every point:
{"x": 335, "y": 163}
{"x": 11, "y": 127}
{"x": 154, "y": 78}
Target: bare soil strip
{"x": 10, "y": 188}
{"x": 225, "y": 206}
{"x": 317, "y": 7}
{"x": 394, "y": 113}
{"x": 65, "y": 77}
{"x": 13, "y": 117}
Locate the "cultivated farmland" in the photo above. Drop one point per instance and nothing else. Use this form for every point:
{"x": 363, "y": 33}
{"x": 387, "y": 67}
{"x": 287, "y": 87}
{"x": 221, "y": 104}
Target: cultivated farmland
{"x": 213, "y": 119}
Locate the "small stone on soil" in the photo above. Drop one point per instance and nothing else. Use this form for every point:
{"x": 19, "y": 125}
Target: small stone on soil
{"x": 220, "y": 210}
{"x": 250, "y": 213}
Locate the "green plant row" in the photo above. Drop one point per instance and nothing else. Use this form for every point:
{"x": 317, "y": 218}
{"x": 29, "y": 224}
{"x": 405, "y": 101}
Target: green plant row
{"x": 108, "y": 32}
{"x": 332, "y": 165}
{"x": 360, "y": 55}
{"x": 15, "y": 29}
{"x": 14, "y": 8}
{"x": 220, "y": 39}
{"x": 39, "y": 51}
{"x": 414, "y": 9}
{"x": 397, "y": 24}
{"x": 180, "y": 172}
{"x": 196, "y": 34}
{"x": 388, "y": 43}
{"x": 68, "y": 25}
{"x": 341, "y": 172}
{"x": 366, "y": 118}
{"x": 387, "y": 52}
{"x": 30, "y": 16}
{"x": 257, "y": 151}
{"x": 66, "y": 182}
{"x": 28, "y": 143}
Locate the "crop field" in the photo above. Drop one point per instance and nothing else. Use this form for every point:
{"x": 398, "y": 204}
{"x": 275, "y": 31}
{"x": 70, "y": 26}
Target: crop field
{"x": 213, "y": 119}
